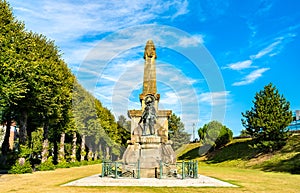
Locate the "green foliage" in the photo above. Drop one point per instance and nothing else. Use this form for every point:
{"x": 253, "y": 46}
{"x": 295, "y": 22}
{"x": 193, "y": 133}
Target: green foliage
{"x": 93, "y": 121}
{"x": 47, "y": 165}
{"x": 215, "y": 135}
{"x": 24, "y": 151}
{"x": 37, "y": 141}
{"x": 124, "y": 127}
{"x": 177, "y": 133}
{"x": 244, "y": 133}
{"x": 21, "y": 168}
{"x": 267, "y": 121}
{"x": 64, "y": 164}
{"x": 36, "y": 89}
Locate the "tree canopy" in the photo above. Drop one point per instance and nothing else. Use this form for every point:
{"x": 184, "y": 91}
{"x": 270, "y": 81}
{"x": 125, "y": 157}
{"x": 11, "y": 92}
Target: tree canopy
{"x": 268, "y": 119}
{"x": 39, "y": 92}
{"x": 215, "y": 134}
{"x": 177, "y": 133}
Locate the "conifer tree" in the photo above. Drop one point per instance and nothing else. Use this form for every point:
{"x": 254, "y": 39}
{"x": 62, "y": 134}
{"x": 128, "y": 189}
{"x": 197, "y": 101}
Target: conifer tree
{"x": 267, "y": 121}
{"x": 177, "y": 133}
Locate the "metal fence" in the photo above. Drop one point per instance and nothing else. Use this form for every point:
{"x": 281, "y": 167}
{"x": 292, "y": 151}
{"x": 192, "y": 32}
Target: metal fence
{"x": 118, "y": 169}
{"x": 179, "y": 170}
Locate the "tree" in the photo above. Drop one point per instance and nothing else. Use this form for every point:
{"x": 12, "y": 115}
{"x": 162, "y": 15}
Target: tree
{"x": 267, "y": 121}
{"x": 12, "y": 85}
{"x": 244, "y": 133}
{"x": 35, "y": 83}
{"x": 215, "y": 134}
{"x": 177, "y": 133}
{"x": 124, "y": 129}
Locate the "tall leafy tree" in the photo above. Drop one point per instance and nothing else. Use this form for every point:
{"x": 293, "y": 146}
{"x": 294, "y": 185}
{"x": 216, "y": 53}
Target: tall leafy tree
{"x": 124, "y": 127}
{"x": 50, "y": 86}
{"x": 268, "y": 119}
{"x": 215, "y": 134}
{"x": 177, "y": 133}
{"x": 108, "y": 123}
{"x": 13, "y": 87}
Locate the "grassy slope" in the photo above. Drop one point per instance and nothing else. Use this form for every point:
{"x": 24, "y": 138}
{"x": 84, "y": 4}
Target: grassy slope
{"x": 239, "y": 154}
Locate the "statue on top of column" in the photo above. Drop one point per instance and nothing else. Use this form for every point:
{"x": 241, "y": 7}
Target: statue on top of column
{"x": 149, "y": 50}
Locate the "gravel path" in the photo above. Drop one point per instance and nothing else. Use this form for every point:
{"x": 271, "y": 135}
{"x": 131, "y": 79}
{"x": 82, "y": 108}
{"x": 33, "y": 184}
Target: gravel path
{"x": 202, "y": 181}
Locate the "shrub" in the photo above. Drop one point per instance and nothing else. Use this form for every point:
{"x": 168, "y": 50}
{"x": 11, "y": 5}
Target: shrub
{"x": 47, "y": 165}
{"x": 21, "y": 166}
{"x": 63, "y": 164}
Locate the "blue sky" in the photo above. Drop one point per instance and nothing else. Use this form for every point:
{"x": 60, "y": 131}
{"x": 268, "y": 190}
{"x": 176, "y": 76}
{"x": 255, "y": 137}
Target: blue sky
{"x": 213, "y": 55}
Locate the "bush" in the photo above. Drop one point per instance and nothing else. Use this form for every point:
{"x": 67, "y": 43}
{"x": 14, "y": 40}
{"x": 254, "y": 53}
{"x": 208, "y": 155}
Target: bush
{"x": 47, "y": 165}
{"x": 63, "y": 164}
{"x": 21, "y": 166}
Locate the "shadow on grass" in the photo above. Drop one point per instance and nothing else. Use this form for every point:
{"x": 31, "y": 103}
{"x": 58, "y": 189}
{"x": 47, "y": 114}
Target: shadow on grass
{"x": 236, "y": 151}
{"x": 192, "y": 154}
{"x": 239, "y": 150}
{"x": 286, "y": 159}
{"x": 291, "y": 165}
{"x": 293, "y": 145}
{"x": 280, "y": 164}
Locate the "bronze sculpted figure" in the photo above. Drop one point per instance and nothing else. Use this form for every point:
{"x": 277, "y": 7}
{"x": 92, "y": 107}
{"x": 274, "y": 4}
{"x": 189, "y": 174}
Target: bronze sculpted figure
{"x": 149, "y": 116}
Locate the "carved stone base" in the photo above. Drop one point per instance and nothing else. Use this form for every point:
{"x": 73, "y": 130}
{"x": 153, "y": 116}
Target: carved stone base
{"x": 150, "y": 151}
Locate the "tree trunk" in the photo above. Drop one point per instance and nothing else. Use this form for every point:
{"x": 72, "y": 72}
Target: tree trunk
{"x": 100, "y": 152}
{"x": 5, "y": 144}
{"x": 107, "y": 153}
{"x": 61, "y": 155}
{"x": 73, "y": 156}
{"x": 82, "y": 152}
{"x": 90, "y": 154}
{"x": 96, "y": 155}
{"x": 23, "y": 128}
{"x": 55, "y": 151}
{"x": 45, "y": 151}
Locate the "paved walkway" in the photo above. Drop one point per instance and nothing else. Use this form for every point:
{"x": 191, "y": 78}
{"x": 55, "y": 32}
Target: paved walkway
{"x": 201, "y": 181}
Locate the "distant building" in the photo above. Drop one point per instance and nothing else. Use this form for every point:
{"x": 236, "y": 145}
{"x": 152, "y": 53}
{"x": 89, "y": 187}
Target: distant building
{"x": 295, "y": 124}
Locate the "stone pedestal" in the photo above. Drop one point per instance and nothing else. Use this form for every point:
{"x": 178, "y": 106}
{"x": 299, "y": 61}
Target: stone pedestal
{"x": 149, "y": 150}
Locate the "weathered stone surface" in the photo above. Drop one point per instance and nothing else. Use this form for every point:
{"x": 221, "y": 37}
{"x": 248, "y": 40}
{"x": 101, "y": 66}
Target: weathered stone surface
{"x": 150, "y": 151}
{"x": 149, "y": 84}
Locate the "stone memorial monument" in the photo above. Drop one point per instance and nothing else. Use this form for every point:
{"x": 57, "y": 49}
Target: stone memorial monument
{"x": 149, "y": 145}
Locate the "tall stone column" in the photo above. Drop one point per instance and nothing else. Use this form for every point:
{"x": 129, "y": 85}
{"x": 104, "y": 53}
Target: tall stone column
{"x": 149, "y": 142}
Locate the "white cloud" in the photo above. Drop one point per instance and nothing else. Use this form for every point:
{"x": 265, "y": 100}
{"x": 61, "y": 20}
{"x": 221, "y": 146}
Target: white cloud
{"x": 275, "y": 47}
{"x": 214, "y": 98}
{"x": 240, "y": 65}
{"x": 191, "y": 41}
{"x": 74, "y": 25}
{"x": 75, "y": 19}
{"x": 251, "y": 77}
{"x": 182, "y": 9}
{"x": 266, "y": 50}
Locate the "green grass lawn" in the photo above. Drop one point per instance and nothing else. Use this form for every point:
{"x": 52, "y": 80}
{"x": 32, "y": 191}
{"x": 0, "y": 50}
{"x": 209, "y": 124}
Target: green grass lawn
{"x": 248, "y": 180}
{"x": 236, "y": 163}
